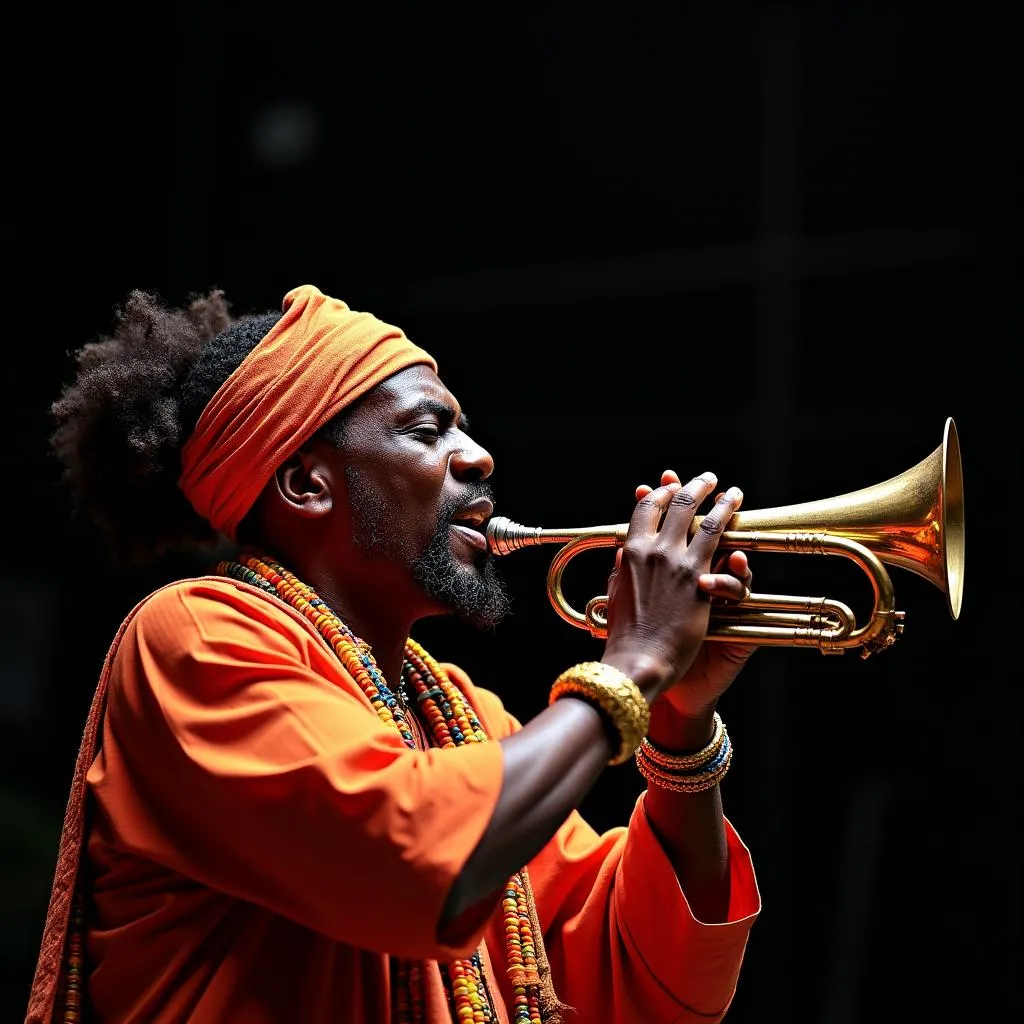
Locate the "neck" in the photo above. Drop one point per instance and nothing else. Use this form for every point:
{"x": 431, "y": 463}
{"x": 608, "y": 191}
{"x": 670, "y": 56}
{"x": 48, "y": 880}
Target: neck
{"x": 373, "y": 615}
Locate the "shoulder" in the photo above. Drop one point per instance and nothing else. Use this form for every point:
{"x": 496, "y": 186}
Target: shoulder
{"x": 202, "y": 640}
{"x": 215, "y": 611}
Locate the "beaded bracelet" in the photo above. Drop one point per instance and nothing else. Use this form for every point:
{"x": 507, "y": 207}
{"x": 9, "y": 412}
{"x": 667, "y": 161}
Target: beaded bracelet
{"x": 614, "y": 694}
{"x": 692, "y": 772}
{"x": 675, "y": 761}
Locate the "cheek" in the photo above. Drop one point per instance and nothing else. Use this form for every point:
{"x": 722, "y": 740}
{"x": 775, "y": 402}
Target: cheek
{"x": 414, "y": 505}
{"x": 407, "y": 487}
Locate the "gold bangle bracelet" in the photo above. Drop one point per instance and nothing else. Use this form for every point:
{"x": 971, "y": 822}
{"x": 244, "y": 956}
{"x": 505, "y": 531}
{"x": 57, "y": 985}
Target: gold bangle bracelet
{"x": 692, "y": 772}
{"x": 676, "y": 761}
{"x": 614, "y": 694}
{"x": 684, "y": 783}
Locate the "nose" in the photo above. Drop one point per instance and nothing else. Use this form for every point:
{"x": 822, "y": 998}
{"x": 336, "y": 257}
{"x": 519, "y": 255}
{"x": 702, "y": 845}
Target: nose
{"x": 471, "y": 461}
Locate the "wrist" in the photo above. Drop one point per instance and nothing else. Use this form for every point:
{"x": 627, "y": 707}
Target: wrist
{"x": 671, "y": 729}
{"x": 686, "y": 771}
{"x": 615, "y": 695}
{"x": 651, "y": 675}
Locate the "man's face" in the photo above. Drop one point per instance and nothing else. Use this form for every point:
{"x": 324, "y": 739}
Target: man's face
{"x": 418, "y": 496}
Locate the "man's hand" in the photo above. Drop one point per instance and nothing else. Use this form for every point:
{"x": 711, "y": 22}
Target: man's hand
{"x": 717, "y": 663}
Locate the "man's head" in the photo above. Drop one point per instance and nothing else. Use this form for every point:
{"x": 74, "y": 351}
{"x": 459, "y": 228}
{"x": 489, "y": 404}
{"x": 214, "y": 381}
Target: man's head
{"x": 375, "y": 515}
{"x": 337, "y": 400}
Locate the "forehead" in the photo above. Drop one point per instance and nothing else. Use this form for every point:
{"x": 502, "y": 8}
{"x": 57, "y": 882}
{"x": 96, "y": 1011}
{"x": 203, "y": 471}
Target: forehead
{"x": 411, "y": 390}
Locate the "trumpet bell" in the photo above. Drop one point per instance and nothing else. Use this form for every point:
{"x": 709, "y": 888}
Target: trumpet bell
{"x": 914, "y": 520}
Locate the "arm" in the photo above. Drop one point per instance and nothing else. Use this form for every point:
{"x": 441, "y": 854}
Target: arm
{"x": 658, "y": 617}
{"x": 691, "y": 826}
{"x": 623, "y": 940}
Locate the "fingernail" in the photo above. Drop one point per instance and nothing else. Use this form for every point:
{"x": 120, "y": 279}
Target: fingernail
{"x": 734, "y": 494}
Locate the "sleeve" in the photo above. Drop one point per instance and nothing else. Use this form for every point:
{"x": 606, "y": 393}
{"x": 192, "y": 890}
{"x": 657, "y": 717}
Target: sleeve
{"x": 623, "y": 944}
{"x": 237, "y": 752}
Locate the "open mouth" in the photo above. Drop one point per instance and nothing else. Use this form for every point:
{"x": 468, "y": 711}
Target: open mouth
{"x": 469, "y": 522}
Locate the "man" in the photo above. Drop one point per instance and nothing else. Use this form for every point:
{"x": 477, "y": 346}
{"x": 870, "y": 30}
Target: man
{"x": 285, "y": 810}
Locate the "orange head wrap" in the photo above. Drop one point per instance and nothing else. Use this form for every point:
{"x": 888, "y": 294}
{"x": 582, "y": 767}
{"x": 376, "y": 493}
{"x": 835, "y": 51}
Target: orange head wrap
{"x": 320, "y": 357}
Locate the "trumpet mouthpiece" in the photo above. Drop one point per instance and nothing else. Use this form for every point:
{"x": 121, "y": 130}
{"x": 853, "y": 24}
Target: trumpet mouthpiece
{"x": 505, "y": 536}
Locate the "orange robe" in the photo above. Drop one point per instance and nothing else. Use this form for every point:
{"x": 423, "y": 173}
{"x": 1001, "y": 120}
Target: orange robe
{"x": 260, "y": 842}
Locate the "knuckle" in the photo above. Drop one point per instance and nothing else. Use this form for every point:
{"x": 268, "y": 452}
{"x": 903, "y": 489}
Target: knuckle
{"x": 685, "y": 498}
{"x": 633, "y": 554}
{"x": 712, "y": 523}
{"x": 688, "y": 570}
{"x": 658, "y": 557}
{"x": 648, "y": 501}
{"x": 691, "y": 572}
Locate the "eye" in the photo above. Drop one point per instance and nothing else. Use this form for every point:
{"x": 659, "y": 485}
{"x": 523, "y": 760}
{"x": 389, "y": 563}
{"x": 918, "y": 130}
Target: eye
{"x": 425, "y": 431}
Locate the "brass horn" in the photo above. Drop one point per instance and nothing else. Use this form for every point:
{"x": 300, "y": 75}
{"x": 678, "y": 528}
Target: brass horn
{"x": 914, "y": 520}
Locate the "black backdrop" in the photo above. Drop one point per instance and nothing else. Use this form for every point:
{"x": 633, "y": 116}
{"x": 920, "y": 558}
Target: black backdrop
{"x": 778, "y": 242}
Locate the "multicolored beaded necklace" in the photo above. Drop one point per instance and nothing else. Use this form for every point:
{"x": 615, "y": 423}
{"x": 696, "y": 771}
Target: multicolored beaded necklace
{"x": 452, "y": 722}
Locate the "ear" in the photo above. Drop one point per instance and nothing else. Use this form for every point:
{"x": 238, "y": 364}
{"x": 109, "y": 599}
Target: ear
{"x": 305, "y": 483}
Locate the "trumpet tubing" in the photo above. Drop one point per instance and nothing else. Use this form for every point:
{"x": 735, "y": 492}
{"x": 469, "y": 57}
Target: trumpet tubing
{"x": 914, "y": 521}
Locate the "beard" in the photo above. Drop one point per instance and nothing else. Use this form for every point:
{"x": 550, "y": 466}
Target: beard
{"x": 474, "y": 592}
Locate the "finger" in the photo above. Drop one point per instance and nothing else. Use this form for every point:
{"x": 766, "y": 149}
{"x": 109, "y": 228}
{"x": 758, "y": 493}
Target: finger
{"x": 712, "y": 525}
{"x": 721, "y": 494}
{"x": 650, "y": 510}
{"x": 723, "y": 586}
{"x": 734, "y": 562}
{"x": 730, "y": 580}
{"x": 683, "y": 507}
{"x": 739, "y": 566}
{"x": 668, "y": 478}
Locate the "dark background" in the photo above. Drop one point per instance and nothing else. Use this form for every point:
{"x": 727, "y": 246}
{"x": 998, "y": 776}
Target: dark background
{"x": 778, "y": 242}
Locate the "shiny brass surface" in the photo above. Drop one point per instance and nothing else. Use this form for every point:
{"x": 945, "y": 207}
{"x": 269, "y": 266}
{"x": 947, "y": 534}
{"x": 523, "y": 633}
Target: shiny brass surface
{"x": 914, "y": 521}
